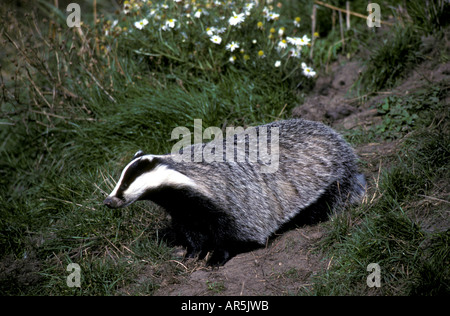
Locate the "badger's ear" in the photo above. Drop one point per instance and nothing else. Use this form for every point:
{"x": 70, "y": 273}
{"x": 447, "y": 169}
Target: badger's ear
{"x": 138, "y": 154}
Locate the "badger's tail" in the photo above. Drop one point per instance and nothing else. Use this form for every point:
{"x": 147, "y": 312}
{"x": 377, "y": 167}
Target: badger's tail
{"x": 359, "y": 188}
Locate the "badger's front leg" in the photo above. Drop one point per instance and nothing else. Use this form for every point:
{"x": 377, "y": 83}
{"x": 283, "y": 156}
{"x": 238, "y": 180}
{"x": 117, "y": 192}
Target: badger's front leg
{"x": 196, "y": 245}
{"x": 219, "y": 257}
{"x": 196, "y": 242}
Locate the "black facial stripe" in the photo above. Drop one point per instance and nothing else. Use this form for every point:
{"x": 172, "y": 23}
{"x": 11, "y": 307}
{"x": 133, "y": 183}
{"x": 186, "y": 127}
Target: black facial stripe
{"x": 136, "y": 169}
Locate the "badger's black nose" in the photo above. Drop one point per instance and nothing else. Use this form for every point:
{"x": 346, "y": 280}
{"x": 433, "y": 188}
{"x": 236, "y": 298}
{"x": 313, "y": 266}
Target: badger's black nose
{"x": 112, "y": 202}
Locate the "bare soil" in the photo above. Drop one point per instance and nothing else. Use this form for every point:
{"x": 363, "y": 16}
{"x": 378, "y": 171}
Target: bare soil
{"x": 282, "y": 268}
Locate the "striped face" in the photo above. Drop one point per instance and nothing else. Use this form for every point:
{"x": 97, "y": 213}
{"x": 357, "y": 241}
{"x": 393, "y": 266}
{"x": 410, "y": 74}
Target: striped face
{"x": 142, "y": 175}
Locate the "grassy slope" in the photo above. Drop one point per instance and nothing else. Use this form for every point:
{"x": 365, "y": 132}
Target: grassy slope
{"x": 400, "y": 228}
{"x": 56, "y": 169}
{"x": 403, "y": 225}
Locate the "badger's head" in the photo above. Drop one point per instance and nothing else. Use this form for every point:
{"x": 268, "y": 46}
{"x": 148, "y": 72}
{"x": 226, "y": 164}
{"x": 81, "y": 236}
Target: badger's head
{"x": 142, "y": 175}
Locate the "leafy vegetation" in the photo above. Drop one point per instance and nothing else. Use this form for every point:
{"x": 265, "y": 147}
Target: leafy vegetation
{"x": 402, "y": 115}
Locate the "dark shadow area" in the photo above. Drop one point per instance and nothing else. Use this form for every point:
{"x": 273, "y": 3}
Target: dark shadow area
{"x": 317, "y": 212}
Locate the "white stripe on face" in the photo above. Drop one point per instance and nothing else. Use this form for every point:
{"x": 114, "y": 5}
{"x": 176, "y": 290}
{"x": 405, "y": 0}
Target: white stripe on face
{"x": 157, "y": 176}
{"x": 124, "y": 171}
{"x": 160, "y": 176}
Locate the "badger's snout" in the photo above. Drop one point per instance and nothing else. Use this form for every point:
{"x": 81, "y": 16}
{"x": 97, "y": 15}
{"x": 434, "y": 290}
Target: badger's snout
{"x": 113, "y": 202}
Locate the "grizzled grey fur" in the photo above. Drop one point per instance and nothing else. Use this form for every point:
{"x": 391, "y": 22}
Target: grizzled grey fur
{"x": 226, "y": 206}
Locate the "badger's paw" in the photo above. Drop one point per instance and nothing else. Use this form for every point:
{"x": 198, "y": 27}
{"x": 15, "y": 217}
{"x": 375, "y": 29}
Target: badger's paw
{"x": 199, "y": 254}
{"x": 218, "y": 258}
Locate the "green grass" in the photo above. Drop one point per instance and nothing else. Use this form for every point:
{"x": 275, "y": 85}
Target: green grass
{"x": 404, "y": 114}
{"x": 429, "y": 17}
{"x": 389, "y": 61}
{"x": 76, "y": 107}
{"x": 396, "y": 229}
{"x": 86, "y": 158}
{"x": 61, "y": 153}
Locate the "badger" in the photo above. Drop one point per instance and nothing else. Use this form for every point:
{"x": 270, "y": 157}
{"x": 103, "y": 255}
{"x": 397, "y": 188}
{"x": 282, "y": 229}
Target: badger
{"x": 226, "y": 207}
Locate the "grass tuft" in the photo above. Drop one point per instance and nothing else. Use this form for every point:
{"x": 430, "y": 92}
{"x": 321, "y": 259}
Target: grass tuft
{"x": 392, "y": 59}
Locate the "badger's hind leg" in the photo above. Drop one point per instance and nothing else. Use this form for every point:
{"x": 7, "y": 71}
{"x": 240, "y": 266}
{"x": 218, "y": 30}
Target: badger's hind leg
{"x": 319, "y": 211}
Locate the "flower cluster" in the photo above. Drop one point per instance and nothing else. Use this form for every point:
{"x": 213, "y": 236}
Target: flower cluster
{"x": 245, "y": 32}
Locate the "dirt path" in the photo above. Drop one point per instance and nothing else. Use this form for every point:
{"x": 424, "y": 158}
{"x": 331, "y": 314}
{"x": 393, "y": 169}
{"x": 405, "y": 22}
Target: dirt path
{"x": 282, "y": 268}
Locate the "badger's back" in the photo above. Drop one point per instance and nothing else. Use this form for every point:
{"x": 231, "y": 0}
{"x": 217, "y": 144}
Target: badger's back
{"x": 314, "y": 163}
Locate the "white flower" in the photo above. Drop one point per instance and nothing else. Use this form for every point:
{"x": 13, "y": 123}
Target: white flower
{"x": 232, "y": 59}
{"x": 298, "y": 41}
{"x": 211, "y": 30}
{"x": 232, "y": 46}
{"x": 281, "y": 45}
{"x": 308, "y": 71}
{"x": 214, "y": 30}
{"x": 177, "y": 0}
{"x": 277, "y": 63}
{"x": 140, "y": 24}
{"x": 216, "y": 39}
{"x": 248, "y": 7}
{"x": 304, "y": 40}
{"x": 272, "y": 16}
{"x": 199, "y": 13}
{"x": 126, "y": 7}
{"x": 296, "y": 52}
{"x": 294, "y": 40}
{"x": 170, "y": 23}
{"x": 236, "y": 18}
